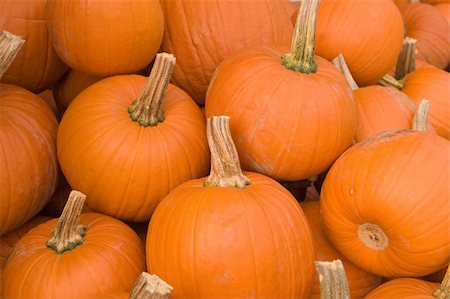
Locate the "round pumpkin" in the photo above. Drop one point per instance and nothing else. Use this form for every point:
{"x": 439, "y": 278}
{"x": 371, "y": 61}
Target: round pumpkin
{"x": 444, "y": 10}
{"x": 405, "y": 288}
{"x": 376, "y": 196}
{"x": 232, "y": 234}
{"x": 124, "y": 157}
{"x": 105, "y": 38}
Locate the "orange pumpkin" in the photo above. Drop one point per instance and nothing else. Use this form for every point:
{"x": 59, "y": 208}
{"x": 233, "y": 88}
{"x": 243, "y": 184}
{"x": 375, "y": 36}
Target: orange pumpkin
{"x": 376, "y": 196}
{"x": 98, "y": 256}
{"x": 201, "y": 34}
{"x": 105, "y": 38}
{"x": 444, "y": 10}
{"x": 291, "y": 119}
{"x": 124, "y": 166}
{"x": 47, "y": 95}
{"x": 230, "y": 235}
{"x": 37, "y": 66}
{"x": 405, "y": 288}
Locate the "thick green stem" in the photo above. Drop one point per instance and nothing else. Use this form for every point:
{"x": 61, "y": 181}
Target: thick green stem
{"x": 333, "y": 282}
{"x": 419, "y": 122}
{"x": 149, "y": 286}
{"x": 340, "y": 63}
{"x": 406, "y": 62}
{"x": 225, "y": 167}
{"x": 10, "y": 45}
{"x": 444, "y": 291}
{"x": 390, "y": 81}
{"x": 301, "y": 57}
{"x": 68, "y": 234}
{"x": 147, "y": 110}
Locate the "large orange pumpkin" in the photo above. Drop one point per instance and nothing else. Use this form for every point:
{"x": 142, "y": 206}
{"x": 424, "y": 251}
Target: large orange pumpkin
{"x": 385, "y": 204}
{"x": 105, "y": 38}
{"x": 37, "y": 66}
{"x": 291, "y": 119}
{"x": 231, "y": 235}
{"x": 124, "y": 166}
{"x": 203, "y": 33}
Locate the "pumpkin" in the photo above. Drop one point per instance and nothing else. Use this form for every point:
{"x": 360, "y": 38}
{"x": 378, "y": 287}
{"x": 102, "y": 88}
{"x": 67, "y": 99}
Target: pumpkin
{"x": 424, "y": 23}
{"x": 376, "y": 196}
{"x": 127, "y": 155}
{"x": 360, "y": 282}
{"x": 88, "y": 249}
{"x": 292, "y": 118}
{"x": 201, "y": 34}
{"x": 37, "y": 66}
{"x": 232, "y": 234}
{"x": 29, "y": 166}
{"x": 105, "y": 38}
{"x": 444, "y": 10}
{"x": 47, "y": 95}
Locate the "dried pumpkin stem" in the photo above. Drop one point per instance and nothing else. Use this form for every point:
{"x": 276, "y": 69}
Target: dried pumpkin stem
{"x": 373, "y": 237}
{"x": 419, "y": 122}
{"x": 333, "y": 282}
{"x": 225, "y": 167}
{"x": 147, "y": 110}
{"x": 301, "y": 57}
{"x": 68, "y": 234}
{"x": 149, "y": 286}
{"x": 444, "y": 290}
{"x": 390, "y": 81}
{"x": 406, "y": 62}
{"x": 10, "y": 45}
{"x": 340, "y": 63}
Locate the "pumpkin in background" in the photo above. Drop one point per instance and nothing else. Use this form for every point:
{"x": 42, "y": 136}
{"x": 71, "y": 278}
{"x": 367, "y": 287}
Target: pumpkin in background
{"x": 97, "y": 254}
{"x": 231, "y": 234}
{"x": 292, "y": 118}
{"x": 105, "y": 38}
{"x": 360, "y": 282}
{"x": 201, "y": 34}
{"x": 444, "y": 10}
{"x": 37, "y": 66}
{"x": 127, "y": 155}
{"x": 47, "y": 95}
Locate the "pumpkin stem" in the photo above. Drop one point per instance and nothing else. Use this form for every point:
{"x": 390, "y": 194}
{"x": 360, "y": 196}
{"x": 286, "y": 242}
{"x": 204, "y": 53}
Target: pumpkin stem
{"x": 406, "y": 62}
{"x": 68, "y": 234}
{"x": 225, "y": 167}
{"x": 333, "y": 282}
{"x": 373, "y": 236}
{"x": 149, "y": 286}
{"x": 390, "y": 81}
{"x": 419, "y": 122}
{"x": 444, "y": 290}
{"x": 301, "y": 57}
{"x": 147, "y": 110}
{"x": 10, "y": 45}
{"x": 340, "y": 63}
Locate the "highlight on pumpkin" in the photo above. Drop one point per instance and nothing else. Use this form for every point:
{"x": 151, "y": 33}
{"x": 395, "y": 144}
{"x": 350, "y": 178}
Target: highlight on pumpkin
{"x": 10, "y": 45}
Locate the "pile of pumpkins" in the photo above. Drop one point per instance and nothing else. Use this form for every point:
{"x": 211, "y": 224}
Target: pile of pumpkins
{"x": 160, "y": 136}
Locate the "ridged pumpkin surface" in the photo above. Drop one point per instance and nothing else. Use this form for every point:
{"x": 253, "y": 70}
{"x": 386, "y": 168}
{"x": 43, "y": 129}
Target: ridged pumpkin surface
{"x": 405, "y": 288}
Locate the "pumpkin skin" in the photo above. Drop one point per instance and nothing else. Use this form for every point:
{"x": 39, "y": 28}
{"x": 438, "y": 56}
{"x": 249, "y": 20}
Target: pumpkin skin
{"x": 134, "y": 31}
{"x": 143, "y": 163}
{"x": 201, "y": 34}
{"x": 28, "y": 161}
{"x": 90, "y": 269}
{"x": 405, "y": 288}
{"x": 392, "y": 180}
{"x": 360, "y": 282}
{"x": 276, "y": 124}
{"x": 444, "y": 10}
{"x": 36, "y": 66}
{"x": 251, "y": 242}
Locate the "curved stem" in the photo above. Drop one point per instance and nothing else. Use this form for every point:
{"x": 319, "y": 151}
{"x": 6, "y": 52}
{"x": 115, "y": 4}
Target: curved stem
{"x": 419, "y": 122}
{"x": 444, "y": 290}
{"x": 225, "y": 167}
{"x": 67, "y": 233}
{"x": 149, "y": 286}
{"x": 406, "y": 62}
{"x": 147, "y": 109}
{"x": 390, "y": 81}
{"x": 340, "y": 63}
{"x": 10, "y": 45}
{"x": 301, "y": 57}
{"x": 333, "y": 282}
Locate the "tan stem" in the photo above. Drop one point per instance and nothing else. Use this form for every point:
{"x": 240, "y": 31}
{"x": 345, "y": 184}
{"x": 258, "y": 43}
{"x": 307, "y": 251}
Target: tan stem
{"x": 340, "y": 63}
{"x": 147, "y": 110}
{"x": 444, "y": 290}
{"x": 372, "y": 236}
{"x": 68, "y": 234}
{"x": 301, "y": 57}
{"x": 390, "y": 81}
{"x": 333, "y": 282}
{"x": 406, "y": 62}
{"x": 225, "y": 167}
{"x": 10, "y": 45}
{"x": 419, "y": 122}
{"x": 149, "y": 286}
